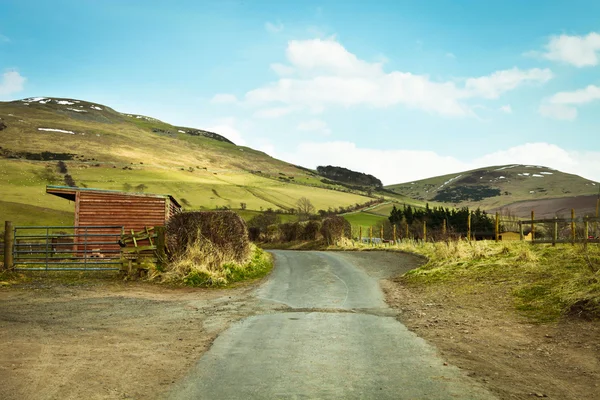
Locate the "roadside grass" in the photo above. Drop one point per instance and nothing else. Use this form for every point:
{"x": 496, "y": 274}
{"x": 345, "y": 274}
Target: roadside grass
{"x": 545, "y": 282}
{"x": 202, "y": 265}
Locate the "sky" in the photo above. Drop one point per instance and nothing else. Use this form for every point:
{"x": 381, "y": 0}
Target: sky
{"x": 400, "y": 89}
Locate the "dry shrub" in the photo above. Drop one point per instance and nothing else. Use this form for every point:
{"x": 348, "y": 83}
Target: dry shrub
{"x": 310, "y": 229}
{"x": 335, "y": 228}
{"x": 290, "y": 231}
{"x": 273, "y": 233}
{"x": 226, "y": 232}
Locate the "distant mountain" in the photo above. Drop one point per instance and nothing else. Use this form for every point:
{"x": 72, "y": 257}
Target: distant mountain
{"x": 349, "y": 177}
{"x": 499, "y": 186}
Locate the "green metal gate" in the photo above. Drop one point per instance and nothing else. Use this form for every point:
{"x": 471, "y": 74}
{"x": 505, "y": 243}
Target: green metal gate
{"x": 72, "y": 248}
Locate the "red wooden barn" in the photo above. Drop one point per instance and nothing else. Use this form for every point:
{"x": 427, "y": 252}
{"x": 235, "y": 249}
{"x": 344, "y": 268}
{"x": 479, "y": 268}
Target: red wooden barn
{"x": 132, "y": 211}
{"x": 135, "y": 211}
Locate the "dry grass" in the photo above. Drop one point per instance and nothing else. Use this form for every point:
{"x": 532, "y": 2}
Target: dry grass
{"x": 204, "y": 264}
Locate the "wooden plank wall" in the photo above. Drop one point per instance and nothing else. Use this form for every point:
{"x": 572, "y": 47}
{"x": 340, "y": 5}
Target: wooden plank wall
{"x": 133, "y": 212}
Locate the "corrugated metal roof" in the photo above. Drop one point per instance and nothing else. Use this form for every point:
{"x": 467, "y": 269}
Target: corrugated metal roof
{"x": 68, "y": 192}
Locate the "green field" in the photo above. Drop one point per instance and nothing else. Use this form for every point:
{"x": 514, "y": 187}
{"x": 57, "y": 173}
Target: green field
{"x": 110, "y": 150}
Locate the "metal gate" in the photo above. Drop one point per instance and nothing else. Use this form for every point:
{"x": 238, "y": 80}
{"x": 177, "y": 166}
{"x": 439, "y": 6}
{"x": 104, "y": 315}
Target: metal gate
{"x": 71, "y": 248}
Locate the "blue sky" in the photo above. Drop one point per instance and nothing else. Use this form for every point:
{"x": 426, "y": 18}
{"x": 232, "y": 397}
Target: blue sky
{"x": 400, "y": 89}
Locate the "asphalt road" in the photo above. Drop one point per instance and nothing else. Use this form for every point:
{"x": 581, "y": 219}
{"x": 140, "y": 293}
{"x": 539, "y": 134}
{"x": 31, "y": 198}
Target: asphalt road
{"x": 332, "y": 337}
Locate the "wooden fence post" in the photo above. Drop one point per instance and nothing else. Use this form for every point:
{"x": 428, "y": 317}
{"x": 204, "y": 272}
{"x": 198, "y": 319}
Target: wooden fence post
{"x": 586, "y": 230}
{"x": 407, "y": 230}
{"x": 497, "y": 227}
{"x": 532, "y": 226}
{"x": 381, "y": 234}
{"x": 573, "y": 226}
{"x": 371, "y": 235}
{"x": 161, "y": 254}
{"x": 469, "y": 227}
{"x": 8, "y": 245}
{"x": 360, "y": 233}
{"x": 444, "y": 228}
{"x": 555, "y": 232}
{"x": 521, "y": 236}
{"x": 394, "y": 233}
{"x": 424, "y": 231}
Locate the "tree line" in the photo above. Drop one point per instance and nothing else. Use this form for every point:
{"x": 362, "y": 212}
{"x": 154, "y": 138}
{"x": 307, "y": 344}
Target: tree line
{"x": 456, "y": 219}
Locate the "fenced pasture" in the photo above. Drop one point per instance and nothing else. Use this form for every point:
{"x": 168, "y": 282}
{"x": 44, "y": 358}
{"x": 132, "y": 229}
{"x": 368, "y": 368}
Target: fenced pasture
{"x": 582, "y": 229}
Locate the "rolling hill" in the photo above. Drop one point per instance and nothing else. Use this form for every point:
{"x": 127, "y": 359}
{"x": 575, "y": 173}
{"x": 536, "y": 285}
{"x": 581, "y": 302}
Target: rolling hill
{"x": 515, "y": 188}
{"x": 66, "y": 141}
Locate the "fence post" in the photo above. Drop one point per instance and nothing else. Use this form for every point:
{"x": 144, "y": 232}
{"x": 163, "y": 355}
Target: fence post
{"x": 161, "y": 255}
{"x": 573, "y": 226}
{"x": 444, "y": 228}
{"x": 360, "y": 234}
{"x": 407, "y": 230}
{"x": 555, "y": 232}
{"x": 8, "y": 245}
{"x": 371, "y": 235}
{"x": 587, "y": 230}
{"x": 394, "y": 233}
{"x": 424, "y": 231}
{"x": 381, "y": 234}
{"x": 497, "y": 227}
{"x": 469, "y": 227}
{"x": 521, "y": 236}
{"x": 532, "y": 226}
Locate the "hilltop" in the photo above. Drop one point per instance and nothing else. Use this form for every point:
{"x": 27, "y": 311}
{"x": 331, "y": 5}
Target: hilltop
{"x": 506, "y": 186}
{"x": 68, "y": 141}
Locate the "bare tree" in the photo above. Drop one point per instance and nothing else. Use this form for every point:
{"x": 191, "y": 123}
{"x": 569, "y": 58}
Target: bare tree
{"x": 305, "y": 207}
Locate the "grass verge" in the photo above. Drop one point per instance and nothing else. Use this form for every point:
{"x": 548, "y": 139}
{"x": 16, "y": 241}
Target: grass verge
{"x": 544, "y": 282}
{"x": 201, "y": 266}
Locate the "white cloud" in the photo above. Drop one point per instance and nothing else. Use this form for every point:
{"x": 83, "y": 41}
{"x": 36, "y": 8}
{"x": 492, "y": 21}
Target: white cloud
{"x": 492, "y": 86}
{"x": 4, "y": 39}
{"x": 580, "y": 96}
{"x": 274, "y": 112}
{"x": 12, "y": 82}
{"x": 314, "y": 125}
{"x": 562, "y": 104}
{"x": 227, "y": 127}
{"x": 274, "y": 27}
{"x": 224, "y": 98}
{"x": 506, "y": 109}
{"x": 391, "y": 166}
{"x": 326, "y": 74}
{"x": 397, "y": 166}
{"x": 580, "y": 51}
{"x": 450, "y": 55}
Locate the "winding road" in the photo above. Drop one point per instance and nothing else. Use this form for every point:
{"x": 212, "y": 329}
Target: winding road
{"x": 329, "y": 335}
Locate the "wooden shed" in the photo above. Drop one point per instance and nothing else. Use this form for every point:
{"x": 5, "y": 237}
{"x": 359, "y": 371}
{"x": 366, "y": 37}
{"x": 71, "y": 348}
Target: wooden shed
{"x": 135, "y": 211}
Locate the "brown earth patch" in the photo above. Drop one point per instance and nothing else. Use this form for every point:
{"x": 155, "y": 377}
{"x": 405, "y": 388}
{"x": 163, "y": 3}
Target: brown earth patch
{"x": 107, "y": 340}
{"x": 549, "y": 208}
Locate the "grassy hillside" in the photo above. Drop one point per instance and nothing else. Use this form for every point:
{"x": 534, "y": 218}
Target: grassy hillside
{"x": 102, "y": 148}
{"x": 495, "y": 187}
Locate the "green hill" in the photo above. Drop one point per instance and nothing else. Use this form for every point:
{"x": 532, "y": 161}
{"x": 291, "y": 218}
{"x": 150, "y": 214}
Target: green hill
{"x": 61, "y": 141}
{"x": 498, "y": 186}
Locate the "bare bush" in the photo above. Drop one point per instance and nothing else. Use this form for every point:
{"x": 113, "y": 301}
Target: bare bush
{"x": 335, "y": 228}
{"x": 225, "y": 230}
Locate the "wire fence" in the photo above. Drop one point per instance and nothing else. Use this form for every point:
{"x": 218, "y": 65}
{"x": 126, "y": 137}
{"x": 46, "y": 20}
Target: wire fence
{"x": 550, "y": 230}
